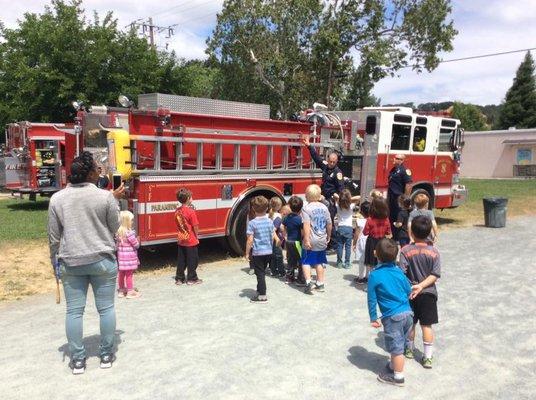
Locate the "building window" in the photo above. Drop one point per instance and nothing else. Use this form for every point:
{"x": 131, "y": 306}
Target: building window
{"x": 419, "y": 138}
{"x": 524, "y": 156}
{"x": 400, "y": 137}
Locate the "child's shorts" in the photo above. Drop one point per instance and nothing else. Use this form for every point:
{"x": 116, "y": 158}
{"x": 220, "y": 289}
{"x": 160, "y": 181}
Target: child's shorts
{"x": 396, "y": 329}
{"x": 312, "y": 258}
{"x": 424, "y": 308}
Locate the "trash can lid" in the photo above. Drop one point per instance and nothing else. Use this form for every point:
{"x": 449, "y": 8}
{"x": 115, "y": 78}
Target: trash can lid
{"x": 495, "y": 200}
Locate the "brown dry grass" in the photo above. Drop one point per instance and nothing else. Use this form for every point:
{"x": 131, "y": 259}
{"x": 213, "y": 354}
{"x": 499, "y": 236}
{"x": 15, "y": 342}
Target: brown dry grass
{"x": 25, "y": 266}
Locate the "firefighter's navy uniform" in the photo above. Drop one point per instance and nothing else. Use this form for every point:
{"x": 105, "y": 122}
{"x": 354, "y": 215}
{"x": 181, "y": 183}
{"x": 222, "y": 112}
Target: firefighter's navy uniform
{"x": 332, "y": 178}
{"x": 399, "y": 177}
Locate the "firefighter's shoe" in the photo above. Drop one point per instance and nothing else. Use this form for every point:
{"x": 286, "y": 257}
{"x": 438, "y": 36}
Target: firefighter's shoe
{"x": 78, "y": 366}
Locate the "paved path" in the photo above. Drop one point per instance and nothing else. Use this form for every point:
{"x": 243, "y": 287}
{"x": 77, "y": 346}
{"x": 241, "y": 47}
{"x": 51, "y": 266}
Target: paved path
{"x": 209, "y": 342}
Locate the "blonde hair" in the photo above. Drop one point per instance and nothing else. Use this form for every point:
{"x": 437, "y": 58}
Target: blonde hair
{"x": 421, "y": 200}
{"x": 275, "y": 206}
{"x": 313, "y": 193}
{"x": 126, "y": 218}
{"x": 376, "y": 194}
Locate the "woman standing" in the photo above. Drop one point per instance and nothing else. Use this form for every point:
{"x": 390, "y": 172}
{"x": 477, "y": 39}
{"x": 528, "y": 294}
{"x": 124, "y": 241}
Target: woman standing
{"x": 82, "y": 222}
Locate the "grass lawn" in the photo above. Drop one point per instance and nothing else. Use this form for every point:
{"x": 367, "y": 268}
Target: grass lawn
{"x": 23, "y": 219}
{"x": 521, "y": 196}
{"x": 25, "y": 266}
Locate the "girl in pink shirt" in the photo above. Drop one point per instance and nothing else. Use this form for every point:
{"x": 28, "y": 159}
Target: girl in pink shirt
{"x": 127, "y": 255}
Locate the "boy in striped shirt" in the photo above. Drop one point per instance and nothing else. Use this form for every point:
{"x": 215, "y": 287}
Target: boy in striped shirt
{"x": 260, "y": 234}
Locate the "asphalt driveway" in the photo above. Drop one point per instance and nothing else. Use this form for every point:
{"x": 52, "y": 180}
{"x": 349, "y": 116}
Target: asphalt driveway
{"x": 210, "y": 342}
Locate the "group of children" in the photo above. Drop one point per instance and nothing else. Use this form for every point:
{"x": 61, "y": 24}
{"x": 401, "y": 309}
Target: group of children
{"x": 401, "y": 282}
{"x": 405, "y": 292}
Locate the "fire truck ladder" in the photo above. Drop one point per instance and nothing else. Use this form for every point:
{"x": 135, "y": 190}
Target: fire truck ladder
{"x": 217, "y": 158}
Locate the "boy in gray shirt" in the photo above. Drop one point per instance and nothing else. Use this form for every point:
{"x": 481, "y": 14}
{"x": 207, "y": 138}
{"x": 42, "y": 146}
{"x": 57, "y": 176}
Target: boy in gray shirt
{"x": 422, "y": 265}
{"x": 421, "y": 202}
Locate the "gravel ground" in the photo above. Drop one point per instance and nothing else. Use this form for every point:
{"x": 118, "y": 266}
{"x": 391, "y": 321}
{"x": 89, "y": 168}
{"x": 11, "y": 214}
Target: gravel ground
{"x": 208, "y": 341}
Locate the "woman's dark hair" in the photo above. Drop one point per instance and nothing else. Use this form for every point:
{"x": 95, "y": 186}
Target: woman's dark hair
{"x": 364, "y": 209}
{"x": 81, "y": 167}
{"x": 379, "y": 209}
{"x": 345, "y": 199}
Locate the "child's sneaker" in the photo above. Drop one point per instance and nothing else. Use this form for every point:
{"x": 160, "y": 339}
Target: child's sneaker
{"x": 133, "y": 294}
{"x": 179, "y": 282}
{"x": 121, "y": 293}
{"x": 251, "y": 271}
{"x": 386, "y": 377}
{"x": 347, "y": 265}
{"x": 340, "y": 264}
{"x": 408, "y": 353}
{"x": 106, "y": 361}
{"x": 319, "y": 288}
{"x": 308, "y": 288}
{"x": 260, "y": 299}
{"x": 426, "y": 363}
{"x": 78, "y": 366}
{"x": 194, "y": 282}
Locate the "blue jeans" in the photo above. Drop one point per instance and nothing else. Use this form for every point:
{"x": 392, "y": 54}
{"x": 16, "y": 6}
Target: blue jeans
{"x": 344, "y": 240}
{"x": 102, "y": 276}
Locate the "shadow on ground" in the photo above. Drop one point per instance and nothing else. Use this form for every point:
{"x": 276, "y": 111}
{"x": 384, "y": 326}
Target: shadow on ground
{"x": 92, "y": 344}
{"x": 28, "y": 206}
{"x": 165, "y": 255}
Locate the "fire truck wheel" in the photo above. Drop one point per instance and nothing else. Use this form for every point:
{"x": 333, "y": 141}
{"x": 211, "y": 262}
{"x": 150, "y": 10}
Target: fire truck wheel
{"x": 237, "y": 237}
{"x": 427, "y": 193}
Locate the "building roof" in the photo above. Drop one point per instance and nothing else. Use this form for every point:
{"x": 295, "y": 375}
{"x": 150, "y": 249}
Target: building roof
{"x": 519, "y": 141}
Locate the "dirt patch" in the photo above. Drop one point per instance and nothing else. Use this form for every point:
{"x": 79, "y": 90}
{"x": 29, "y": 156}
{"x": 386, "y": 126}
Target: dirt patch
{"x": 25, "y": 265}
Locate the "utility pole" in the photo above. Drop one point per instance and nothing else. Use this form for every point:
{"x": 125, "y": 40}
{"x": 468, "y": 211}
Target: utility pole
{"x": 150, "y": 30}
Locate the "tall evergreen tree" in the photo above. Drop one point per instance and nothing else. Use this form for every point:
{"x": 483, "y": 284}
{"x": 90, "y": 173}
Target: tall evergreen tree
{"x": 519, "y": 107}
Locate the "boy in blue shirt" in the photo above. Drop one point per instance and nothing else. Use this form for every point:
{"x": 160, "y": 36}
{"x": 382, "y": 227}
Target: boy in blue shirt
{"x": 293, "y": 226}
{"x": 390, "y": 289}
{"x": 260, "y": 235}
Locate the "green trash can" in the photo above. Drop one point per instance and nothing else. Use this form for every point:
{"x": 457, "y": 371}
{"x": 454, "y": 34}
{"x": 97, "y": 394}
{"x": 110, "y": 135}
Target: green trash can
{"x": 495, "y": 211}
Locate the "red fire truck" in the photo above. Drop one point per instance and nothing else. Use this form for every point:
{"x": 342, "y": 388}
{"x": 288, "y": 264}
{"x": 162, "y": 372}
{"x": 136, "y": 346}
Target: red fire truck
{"x": 34, "y": 158}
{"x": 225, "y": 157}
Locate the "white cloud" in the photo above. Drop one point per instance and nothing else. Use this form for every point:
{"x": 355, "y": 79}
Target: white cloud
{"x": 485, "y": 26}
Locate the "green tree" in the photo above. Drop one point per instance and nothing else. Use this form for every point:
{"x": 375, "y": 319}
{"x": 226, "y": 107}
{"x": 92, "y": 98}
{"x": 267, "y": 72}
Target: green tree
{"x": 59, "y": 56}
{"x": 291, "y": 53}
{"x": 471, "y": 117}
{"x": 519, "y": 106}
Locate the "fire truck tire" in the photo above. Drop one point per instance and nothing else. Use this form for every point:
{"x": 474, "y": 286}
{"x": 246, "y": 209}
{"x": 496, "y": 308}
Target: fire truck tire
{"x": 237, "y": 237}
{"x": 427, "y": 193}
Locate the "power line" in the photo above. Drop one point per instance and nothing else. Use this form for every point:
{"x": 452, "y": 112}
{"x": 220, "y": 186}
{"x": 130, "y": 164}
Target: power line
{"x": 480, "y": 56}
{"x": 174, "y": 8}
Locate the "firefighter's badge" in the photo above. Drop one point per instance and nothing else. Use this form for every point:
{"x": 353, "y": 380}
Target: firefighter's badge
{"x": 408, "y": 171}
{"x": 339, "y": 175}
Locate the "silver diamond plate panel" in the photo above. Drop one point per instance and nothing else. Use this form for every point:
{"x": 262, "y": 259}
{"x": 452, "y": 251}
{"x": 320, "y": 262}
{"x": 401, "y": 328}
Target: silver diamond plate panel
{"x": 197, "y": 105}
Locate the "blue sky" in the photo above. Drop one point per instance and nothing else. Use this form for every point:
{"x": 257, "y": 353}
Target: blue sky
{"x": 485, "y": 26}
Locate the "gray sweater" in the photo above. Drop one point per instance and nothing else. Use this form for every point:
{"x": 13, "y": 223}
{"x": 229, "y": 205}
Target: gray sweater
{"x": 82, "y": 222}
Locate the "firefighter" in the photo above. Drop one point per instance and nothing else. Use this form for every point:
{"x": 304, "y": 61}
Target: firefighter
{"x": 399, "y": 183}
{"x": 332, "y": 178}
